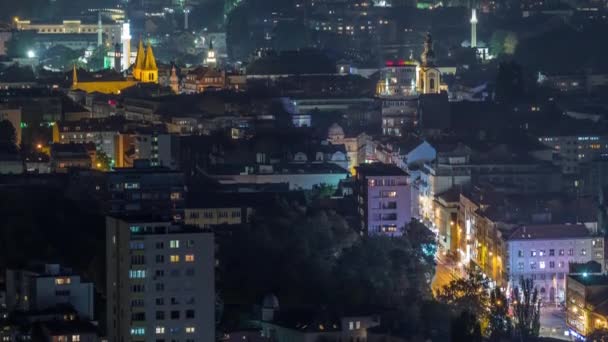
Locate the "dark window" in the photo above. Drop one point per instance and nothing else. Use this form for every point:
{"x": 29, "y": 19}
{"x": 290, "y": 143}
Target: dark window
{"x": 189, "y": 313}
{"x": 174, "y": 314}
{"x": 160, "y": 315}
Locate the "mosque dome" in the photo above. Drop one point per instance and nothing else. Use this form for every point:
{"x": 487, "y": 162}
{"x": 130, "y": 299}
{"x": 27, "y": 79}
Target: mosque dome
{"x": 335, "y": 132}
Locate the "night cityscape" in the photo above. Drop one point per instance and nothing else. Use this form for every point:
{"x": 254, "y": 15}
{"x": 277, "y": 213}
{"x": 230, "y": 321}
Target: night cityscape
{"x": 303, "y": 170}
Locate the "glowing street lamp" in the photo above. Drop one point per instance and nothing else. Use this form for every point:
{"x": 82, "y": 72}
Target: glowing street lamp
{"x": 31, "y": 54}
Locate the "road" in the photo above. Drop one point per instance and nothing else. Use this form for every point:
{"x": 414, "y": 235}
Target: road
{"x": 553, "y": 322}
{"x": 444, "y": 273}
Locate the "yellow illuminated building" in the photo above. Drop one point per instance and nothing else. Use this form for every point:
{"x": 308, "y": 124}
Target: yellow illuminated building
{"x": 586, "y": 303}
{"x": 429, "y": 76}
{"x": 145, "y": 70}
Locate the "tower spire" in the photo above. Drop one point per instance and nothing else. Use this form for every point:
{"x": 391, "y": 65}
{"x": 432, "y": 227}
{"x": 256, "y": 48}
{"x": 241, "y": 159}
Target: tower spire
{"x": 74, "y": 77}
{"x": 428, "y": 55}
{"x": 99, "y": 29}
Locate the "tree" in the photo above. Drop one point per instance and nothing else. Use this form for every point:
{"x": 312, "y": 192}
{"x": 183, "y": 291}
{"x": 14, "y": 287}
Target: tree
{"x": 466, "y": 328}
{"x": 470, "y": 294}
{"x": 103, "y": 161}
{"x": 497, "y": 42}
{"x": 510, "y": 44}
{"x": 8, "y": 137}
{"x": 509, "y": 82}
{"x": 600, "y": 335}
{"x": 526, "y": 310}
{"x": 96, "y": 61}
{"x": 20, "y": 43}
{"x": 500, "y": 322}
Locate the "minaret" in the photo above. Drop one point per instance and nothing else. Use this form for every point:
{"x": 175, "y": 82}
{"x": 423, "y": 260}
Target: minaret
{"x": 126, "y": 46}
{"x": 474, "y": 29}
{"x": 174, "y": 80}
{"x": 99, "y": 30}
{"x": 187, "y": 10}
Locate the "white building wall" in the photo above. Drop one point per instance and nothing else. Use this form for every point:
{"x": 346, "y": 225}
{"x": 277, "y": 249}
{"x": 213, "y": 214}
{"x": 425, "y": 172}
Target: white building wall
{"x": 549, "y": 270}
{"x": 389, "y": 205}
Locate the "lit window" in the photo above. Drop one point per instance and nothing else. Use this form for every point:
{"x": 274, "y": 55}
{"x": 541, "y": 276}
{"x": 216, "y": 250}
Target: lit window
{"x": 160, "y": 330}
{"x": 174, "y": 258}
{"x": 189, "y": 257}
{"x": 137, "y": 274}
{"x": 174, "y": 244}
{"x": 75, "y": 338}
{"x": 62, "y": 281}
{"x": 190, "y": 330}
{"x": 357, "y": 325}
{"x": 351, "y": 325}
{"x": 138, "y": 331}
{"x": 541, "y": 265}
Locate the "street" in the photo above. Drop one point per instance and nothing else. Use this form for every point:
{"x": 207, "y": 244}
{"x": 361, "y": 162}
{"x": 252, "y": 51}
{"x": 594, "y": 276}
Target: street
{"x": 553, "y": 322}
{"x": 444, "y": 273}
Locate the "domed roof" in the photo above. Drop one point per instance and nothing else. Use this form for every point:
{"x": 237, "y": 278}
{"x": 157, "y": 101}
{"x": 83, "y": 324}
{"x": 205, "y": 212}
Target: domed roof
{"x": 335, "y": 130}
{"x": 270, "y": 302}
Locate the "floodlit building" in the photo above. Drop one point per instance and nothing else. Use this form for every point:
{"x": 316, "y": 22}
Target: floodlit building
{"x": 383, "y": 195}
{"x": 545, "y": 252}
{"x": 160, "y": 281}
{"x": 586, "y": 304}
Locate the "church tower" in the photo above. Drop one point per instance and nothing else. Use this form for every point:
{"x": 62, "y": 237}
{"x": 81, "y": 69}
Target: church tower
{"x": 139, "y": 61}
{"x": 211, "y": 59}
{"x": 149, "y": 73}
{"x": 174, "y": 80}
{"x": 429, "y": 77}
{"x": 145, "y": 69}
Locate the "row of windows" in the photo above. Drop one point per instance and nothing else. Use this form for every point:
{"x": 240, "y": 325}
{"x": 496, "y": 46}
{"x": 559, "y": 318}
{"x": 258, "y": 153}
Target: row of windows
{"x": 541, "y": 265}
{"x": 542, "y": 252}
{"x": 175, "y": 314}
{"x": 161, "y": 330}
{"x": 139, "y": 245}
{"x": 221, "y": 214}
{"x": 382, "y": 182}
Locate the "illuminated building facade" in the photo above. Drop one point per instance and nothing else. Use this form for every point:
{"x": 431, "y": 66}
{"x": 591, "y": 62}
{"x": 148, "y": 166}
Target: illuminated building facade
{"x": 397, "y": 78}
{"x": 384, "y": 200}
{"x": 203, "y": 78}
{"x": 586, "y": 304}
{"x": 111, "y": 31}
{"x": 160, "y": 281}
{"x": 125, "y": 40}
{"x": 356, "y": 146}
{"x": 545, "y": 252}
{"x": 211, "y": 59}
{"x": 480, "y": 241}
{"x": 145, "y": 70}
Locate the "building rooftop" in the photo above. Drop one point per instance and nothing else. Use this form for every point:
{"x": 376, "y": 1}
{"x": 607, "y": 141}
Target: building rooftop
{"x": 590, "y": 279}
{"x": 69, "y": 327}
{"x": 550, "y": 232}
{"x": 379, "y": 169}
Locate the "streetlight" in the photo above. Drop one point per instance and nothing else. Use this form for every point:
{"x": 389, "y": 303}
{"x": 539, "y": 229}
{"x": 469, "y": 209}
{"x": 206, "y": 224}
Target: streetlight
{"x": 31, "y": 54}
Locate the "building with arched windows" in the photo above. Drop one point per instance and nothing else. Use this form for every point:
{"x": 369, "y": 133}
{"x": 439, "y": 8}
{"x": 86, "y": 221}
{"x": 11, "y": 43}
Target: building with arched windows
{"x": 429, "y": 76}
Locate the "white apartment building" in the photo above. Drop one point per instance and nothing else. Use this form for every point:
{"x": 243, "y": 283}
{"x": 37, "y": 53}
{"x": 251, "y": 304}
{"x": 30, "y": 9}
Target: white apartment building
{"x": 160, "y": 280}
{"x": 384, "y": 199}
{"x": 544, "y": 253}
{"x": 47, "y": 287}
